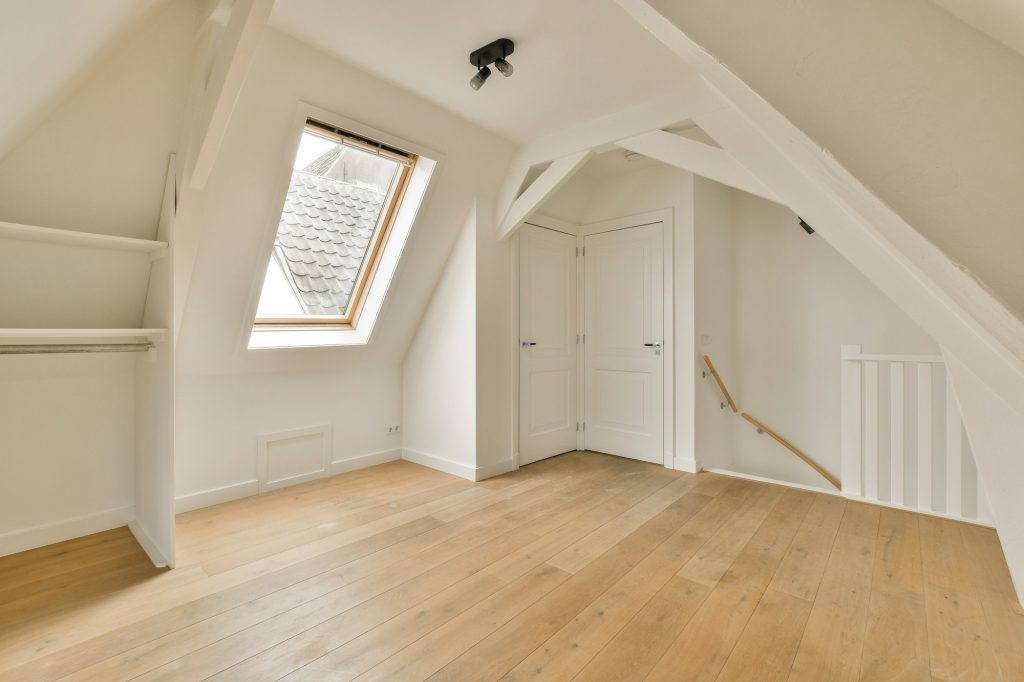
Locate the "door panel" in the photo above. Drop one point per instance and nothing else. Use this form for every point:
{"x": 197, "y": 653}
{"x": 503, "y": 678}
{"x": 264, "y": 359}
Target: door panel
{"x": 624, "y": 332}
{"x": 547, "y": 351}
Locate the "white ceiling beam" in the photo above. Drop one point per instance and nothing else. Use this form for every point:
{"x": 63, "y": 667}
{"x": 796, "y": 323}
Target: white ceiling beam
{"x": 230, "y": 65}
{"x": 687, "y": 101}
{"x": 711, "y": 162}
{"x": 546, "y": 184}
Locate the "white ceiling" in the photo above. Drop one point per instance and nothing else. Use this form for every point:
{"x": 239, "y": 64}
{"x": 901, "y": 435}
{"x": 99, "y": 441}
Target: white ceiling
{"x": 49, "y": 46}
{"x": 574, "y": 59}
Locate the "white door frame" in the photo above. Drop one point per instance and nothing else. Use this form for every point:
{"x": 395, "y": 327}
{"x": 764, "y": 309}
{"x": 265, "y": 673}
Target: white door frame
{"x": 665, "y": 217}
{"x": 557, "y": 225}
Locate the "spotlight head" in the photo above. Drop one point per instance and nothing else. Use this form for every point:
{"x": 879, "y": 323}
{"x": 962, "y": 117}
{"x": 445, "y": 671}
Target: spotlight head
{"x": 503, "y": 66}
{"x": 480, "y": 78}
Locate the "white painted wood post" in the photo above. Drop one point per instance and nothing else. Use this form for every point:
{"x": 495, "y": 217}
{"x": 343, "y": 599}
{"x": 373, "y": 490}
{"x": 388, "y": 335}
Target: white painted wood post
{"x": 924, "y": 436}
{"x": 871, "y": 429}
{"x": 896, "y": 410}
{"x": 851, "y": 423}
{"x": 984, "y": 511}
{"x": 954, "y": 454}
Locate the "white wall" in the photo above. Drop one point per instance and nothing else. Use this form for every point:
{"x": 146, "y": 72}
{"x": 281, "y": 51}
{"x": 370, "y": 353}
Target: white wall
{"x": 494, "y": 306}
{"x": 358, "y": 389}
{"x": 713, "y": 319}
{"x": 796, "y": 302}
{"x": 66, "y": 446}
{"x": 439, "y": 373}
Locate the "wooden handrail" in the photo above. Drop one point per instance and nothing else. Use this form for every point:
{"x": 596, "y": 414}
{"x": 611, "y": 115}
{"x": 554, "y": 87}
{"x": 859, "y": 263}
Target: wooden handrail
{"x": 721, "y": 384}
{"x": 796, "y": 451}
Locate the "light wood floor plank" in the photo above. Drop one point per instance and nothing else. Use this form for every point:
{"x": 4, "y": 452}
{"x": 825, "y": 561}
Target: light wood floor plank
{"x": 703, "y": 647}
{"x": 833, "y": 642}
{"x": 896, "y": 640}
{"x": 765, "y": 650}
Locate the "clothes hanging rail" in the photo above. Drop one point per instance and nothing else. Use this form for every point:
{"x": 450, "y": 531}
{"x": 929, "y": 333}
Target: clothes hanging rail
{"x": 46, "y": 348}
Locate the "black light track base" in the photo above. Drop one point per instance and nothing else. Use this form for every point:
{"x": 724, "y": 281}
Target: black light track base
{"x": 488, "y": 54}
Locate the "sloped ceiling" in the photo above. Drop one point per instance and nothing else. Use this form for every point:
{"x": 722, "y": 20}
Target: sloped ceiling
{"x": 928, "y": 117}
{"x": 1000, "y": 19}
{"x": 50, "y": 45}
{"x": 574, "y": 59}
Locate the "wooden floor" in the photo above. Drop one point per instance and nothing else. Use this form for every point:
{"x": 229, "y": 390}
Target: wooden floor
{"x": 582, "y": 567}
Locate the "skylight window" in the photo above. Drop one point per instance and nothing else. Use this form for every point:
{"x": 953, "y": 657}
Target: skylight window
{"x": 341, "y": 204}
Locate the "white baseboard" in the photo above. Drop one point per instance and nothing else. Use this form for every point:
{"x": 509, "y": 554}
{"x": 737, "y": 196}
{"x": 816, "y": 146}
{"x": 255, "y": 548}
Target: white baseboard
{"x": 236, "y": 491}
{"x": 440, "y": 463}
{"x": 341, "y": 466}
{"x": 208, "y": 498}
{"x": 774, "y": 481}
{"x": 58, "y": 531}
{"x": 154, "y": 554}
{"x": 686, "y": 464}
{"x": 494, "y": 469}
{"x": 854, "y": 498}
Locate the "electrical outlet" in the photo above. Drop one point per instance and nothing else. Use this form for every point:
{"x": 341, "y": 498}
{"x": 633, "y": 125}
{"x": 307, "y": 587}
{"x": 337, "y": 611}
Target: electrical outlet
{"x": 394, "y": 428}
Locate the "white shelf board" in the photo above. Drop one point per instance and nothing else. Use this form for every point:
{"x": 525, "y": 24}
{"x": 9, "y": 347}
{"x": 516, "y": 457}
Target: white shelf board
{"x": 74, "y": 238}
{"x": 73, "y": 334}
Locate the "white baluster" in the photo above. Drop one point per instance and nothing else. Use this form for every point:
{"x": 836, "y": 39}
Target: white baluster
{"x": 896, "y": 409}
{"x": 851, "y": 424}
{"x": 954, "y": 454}
{"x": 924, "y": 436}
{"x": 871, "y": 430}
{"x": 984, "y": 511}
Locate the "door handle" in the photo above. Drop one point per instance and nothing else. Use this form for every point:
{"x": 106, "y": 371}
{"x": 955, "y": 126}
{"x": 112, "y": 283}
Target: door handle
{"x": 529, "y": 343}
{"x": 653, "y": 345}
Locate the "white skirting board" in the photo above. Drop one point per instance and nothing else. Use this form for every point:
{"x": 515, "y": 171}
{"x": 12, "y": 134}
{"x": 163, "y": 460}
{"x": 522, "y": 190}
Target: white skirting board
{"x": 829, "y": 491}
{"x": 440, "y": 463}
{"x": 148, "y": 545}
{"x": 494, "y": 469}
{"x": 58, "y": 531}
{"x": 687, "y": 464}
{"x": 236, "y": 491}
{"x": 470, "y": 473}
{"x": 340, "y": 466}
{"x": 208, "y": 498}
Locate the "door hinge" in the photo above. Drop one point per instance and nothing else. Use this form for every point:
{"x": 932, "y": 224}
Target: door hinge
{"x": 577, "y": 252}
{"x": 577, "y": 427}
{"x": 584, "y": 251}
{"x": 577, "y": 339}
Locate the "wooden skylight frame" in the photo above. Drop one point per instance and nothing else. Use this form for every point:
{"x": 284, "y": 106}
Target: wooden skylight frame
{"x": 371, "y": 261}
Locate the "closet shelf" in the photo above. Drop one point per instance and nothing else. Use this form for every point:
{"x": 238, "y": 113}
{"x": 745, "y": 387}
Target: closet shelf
{"x": 59, "y": 335}
{"x": 52, "y": 235}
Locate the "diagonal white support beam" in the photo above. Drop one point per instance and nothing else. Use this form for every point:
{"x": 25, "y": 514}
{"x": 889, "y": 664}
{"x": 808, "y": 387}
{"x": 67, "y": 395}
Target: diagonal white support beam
{"x": 546, "y": 184}
{"x": 697, "y": 157}
{"x": 689, "y": 100}
{"x": 230, "y": 64}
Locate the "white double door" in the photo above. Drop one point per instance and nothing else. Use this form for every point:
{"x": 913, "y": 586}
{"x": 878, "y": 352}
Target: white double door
{"x": 591, "y": 342}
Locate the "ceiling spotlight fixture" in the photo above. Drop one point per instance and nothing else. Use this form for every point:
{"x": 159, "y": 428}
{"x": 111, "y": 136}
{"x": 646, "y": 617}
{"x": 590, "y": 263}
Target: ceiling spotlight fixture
{"x": 492, "y": 53}
{"x": 480, "y": 78}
